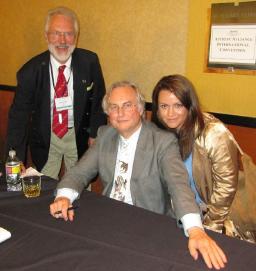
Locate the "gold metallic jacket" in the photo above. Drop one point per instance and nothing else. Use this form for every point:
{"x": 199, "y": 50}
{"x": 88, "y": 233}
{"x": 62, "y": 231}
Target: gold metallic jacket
{"x": 215, "y": 171}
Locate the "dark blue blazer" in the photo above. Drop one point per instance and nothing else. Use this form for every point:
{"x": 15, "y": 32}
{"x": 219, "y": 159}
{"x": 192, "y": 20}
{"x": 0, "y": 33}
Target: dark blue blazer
{"x": 30, "y": 113}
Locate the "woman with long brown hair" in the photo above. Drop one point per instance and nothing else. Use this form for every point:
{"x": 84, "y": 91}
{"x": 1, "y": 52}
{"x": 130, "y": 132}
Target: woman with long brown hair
{"x": 207, "y": 149}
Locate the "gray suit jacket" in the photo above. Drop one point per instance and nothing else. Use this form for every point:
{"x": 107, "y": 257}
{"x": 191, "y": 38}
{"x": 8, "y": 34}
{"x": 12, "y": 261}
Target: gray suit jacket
{"x": 158, "y": 176}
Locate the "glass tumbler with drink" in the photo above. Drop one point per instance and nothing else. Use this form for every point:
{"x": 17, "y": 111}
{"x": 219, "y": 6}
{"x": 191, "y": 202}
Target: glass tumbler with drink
{"x": 31, "y": 186}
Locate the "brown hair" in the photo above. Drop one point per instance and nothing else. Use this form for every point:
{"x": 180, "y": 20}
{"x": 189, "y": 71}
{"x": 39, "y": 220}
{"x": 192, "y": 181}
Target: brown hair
{"x": 184, "y": 90}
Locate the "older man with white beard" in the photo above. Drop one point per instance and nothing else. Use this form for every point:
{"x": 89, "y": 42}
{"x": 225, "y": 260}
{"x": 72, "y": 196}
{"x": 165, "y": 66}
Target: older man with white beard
{"x": 57, "y": 105}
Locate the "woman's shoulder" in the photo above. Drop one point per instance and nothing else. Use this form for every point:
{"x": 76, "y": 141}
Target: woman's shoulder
{"x": 213, "y": 125}
{"x": 215, "y": 133}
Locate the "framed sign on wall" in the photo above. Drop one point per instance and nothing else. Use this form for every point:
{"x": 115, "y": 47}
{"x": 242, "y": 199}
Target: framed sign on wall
{"x": 232, "y": 39}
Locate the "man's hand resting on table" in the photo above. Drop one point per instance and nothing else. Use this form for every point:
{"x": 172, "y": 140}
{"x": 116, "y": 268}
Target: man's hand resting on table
{"x": 212, "y": 254}
{"x": 59, "y": 209}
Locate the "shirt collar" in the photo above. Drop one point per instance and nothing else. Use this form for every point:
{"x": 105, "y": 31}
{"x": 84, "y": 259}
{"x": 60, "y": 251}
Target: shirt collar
{"x": 133, "y": 138}
{"x": 56, "y": 64}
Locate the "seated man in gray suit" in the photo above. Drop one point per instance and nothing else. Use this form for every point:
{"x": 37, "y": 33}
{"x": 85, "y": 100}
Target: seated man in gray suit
{"x": 138, "y": 164}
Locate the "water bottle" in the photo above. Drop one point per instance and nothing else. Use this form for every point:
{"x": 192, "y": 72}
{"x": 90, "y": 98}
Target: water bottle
{"x": 13, "y": 170}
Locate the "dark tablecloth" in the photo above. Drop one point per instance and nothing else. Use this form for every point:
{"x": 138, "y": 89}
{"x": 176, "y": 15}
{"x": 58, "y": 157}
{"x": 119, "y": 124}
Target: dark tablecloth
{"x": 105, "y": 235}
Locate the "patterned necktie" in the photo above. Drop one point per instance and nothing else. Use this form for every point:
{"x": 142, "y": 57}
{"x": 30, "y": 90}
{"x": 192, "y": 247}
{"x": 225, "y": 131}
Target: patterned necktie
{"x": 60, "y": 118}
{"x": 120, "y": 183}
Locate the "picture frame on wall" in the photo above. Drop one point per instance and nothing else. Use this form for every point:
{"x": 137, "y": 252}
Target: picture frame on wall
{"x": 233, "y": 46}
{"x": 232, "y": 37}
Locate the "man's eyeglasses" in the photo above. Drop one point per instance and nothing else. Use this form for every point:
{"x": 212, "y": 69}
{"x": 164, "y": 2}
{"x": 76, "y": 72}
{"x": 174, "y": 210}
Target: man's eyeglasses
{"x": 126, "y": 107}
{"x": 175, "y": 107}
{"x": 58, "y": 34}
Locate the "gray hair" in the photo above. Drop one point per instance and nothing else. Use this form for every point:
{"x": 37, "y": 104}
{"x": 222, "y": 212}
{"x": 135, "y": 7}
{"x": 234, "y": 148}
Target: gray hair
{"x": 65, "y": 12}
{"x": 139, "y": 95}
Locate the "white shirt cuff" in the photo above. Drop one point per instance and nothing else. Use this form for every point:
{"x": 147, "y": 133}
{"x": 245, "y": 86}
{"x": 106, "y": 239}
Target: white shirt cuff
{"x": 191, "y": 220}
{"x": 68, "y": 193}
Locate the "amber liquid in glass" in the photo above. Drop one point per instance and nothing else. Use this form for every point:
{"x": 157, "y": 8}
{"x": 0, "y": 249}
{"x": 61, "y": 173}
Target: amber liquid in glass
{"x": 31, "y": 190}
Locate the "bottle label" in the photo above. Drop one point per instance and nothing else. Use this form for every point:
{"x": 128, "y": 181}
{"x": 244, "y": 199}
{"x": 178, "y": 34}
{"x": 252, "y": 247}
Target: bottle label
{"x": 13, "y": 169}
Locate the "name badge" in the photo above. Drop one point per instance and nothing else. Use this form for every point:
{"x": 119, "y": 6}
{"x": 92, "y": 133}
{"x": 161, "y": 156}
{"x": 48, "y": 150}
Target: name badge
{"x": 63, "y": 103}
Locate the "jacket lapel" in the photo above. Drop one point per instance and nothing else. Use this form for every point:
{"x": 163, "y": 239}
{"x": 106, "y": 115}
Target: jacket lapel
{"x": 109, "y": 156}
{"x": 203, "y": 178}
{"x": 140, "y": 153}
{"x": 79, "y": 86}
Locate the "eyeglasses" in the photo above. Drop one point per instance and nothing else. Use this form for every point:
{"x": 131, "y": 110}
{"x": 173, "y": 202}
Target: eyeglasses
{"x": 126, "y": 107}
{"x": 175, "y": 107}
{"x": 58, "y": 34}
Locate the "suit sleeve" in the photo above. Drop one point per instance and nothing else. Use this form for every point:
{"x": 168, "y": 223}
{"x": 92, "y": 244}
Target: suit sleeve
{"x": 175, "y": 176}
{"x": 19, "y": 115}
{"x": 97, "y": 117}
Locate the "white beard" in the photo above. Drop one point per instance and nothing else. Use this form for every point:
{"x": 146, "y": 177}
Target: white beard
{"x": 62, "y": 58}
